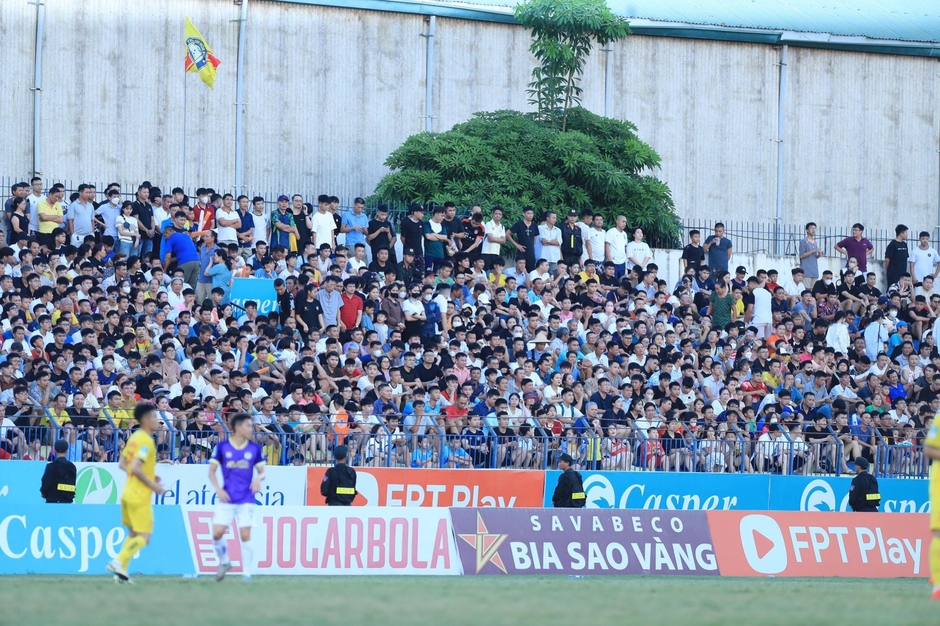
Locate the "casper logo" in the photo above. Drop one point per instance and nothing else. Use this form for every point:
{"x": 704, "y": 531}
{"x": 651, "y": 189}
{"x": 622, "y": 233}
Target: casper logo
{"x": 763, "y": 543}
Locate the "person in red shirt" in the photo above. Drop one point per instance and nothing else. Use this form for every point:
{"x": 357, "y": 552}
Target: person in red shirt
{"x": 350, "y": 311}
{"x": 455, "y": 415}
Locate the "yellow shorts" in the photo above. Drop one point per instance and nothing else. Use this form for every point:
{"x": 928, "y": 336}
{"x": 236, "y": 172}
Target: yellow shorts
{"x": 137, "y": 516}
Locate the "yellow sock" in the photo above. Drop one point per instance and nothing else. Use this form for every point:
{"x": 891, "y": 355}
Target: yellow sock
{"x": 935, "y": 560}
{"x": 133, "y": 545}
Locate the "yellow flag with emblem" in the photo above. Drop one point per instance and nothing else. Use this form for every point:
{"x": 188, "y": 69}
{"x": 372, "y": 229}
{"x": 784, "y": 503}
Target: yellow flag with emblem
{"x": 199, "y": 57}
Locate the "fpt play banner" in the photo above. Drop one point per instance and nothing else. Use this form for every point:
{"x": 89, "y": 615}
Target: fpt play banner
{"x": 438, "y": 487}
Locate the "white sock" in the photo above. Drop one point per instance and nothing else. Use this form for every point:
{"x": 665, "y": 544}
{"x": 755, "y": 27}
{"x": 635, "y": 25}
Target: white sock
{"x": 248, "y": 555}
{"x": 221, "y": 549}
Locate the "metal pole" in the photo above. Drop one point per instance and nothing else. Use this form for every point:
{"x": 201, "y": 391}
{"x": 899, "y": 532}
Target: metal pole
{"x": 607, "y": 70}
{"x": 781, "y": 102}
{"x": 429, "y": 75}
{"x": 37, "y": 87}
{"x": 240, "y": 101}
{"x": 185, "y": 134}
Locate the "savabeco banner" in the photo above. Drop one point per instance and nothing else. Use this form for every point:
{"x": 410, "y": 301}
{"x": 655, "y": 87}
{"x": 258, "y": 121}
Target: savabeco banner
{"x": 576, "y": 541}
{"x": 102, "y": 483}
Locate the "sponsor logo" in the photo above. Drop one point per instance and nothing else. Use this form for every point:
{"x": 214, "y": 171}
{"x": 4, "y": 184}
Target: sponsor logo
{"x": 820, "y": 544}
{"x": 438, "y": 487}
{"x": 575, "y": 541}
{"x": 818, "y": 495}
{"x": 95, "y": 485}
{"x": 27, "y": 537}
{"x": 619, "y": 491}
{"x": 486, "y": 545}
{"x": 764, "y": 547}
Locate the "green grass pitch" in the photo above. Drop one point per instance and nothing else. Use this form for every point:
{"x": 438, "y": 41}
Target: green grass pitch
{"x": 480, "y": 601}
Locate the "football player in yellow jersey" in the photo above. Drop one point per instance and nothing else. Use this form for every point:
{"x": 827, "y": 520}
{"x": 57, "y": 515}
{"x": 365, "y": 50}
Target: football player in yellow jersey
{"x": 932, "y": 450}
{"x": 139, "y": 460}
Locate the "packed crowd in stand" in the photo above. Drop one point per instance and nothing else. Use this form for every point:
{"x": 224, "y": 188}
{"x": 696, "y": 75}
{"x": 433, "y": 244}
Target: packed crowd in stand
{"x": 453, "y": 341}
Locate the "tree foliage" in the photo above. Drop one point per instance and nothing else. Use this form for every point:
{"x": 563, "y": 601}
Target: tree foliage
{"x": 513, "y": 159}
{"x": 562, "y": 35}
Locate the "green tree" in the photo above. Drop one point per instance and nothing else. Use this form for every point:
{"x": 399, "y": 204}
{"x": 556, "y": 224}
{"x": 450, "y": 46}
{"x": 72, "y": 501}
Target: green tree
{"x": 513, "y": 159}
{"x": 562, "y": 35}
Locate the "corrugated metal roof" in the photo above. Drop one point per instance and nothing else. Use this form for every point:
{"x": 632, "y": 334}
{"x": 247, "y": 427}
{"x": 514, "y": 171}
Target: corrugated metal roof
{"x": 896, "y": 20}
{"x": 907, "y": 27}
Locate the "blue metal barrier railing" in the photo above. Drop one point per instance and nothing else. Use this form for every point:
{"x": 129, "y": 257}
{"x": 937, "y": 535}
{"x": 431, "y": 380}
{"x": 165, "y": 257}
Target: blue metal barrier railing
{"x": 722, "y": 450}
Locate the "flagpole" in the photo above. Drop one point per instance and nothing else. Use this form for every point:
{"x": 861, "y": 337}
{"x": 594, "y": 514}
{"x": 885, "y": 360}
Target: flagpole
{"x": 185, "y": 134}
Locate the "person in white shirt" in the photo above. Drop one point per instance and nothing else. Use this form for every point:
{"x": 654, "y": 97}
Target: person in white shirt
{"x": 595, "y": 237}
{"x": 495, "y": 237}
{"x": 228, "y": 221}
{"x": 34, "y": 198}
{"x": 638, "y": 251}
{"x": 924, "y": 259}
{"x": 550, "y": 237}
{"x": 615, "y": 247}
{"x": 837, "y": 335}
{"x": 794, "y": 286}
{"x": 262, "y": 219}
{"x": 323, "y": 228}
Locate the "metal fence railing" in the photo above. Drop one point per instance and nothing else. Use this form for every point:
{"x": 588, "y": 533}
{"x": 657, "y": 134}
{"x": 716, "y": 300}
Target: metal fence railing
{"x": 529, "y": 446}
{"x": 752, "y": 237}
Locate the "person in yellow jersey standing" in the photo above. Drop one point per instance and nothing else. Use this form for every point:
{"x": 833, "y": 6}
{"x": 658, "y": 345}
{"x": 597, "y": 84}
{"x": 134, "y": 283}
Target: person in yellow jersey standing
{"x": 932, "y": 450}
{"x": 139, "y": 460}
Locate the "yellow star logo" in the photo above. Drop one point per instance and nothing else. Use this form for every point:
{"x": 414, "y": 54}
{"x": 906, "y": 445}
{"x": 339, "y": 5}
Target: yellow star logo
{"x": 486, "y": 545}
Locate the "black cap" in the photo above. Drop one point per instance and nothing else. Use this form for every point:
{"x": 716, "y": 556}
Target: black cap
{"x": 61, "y": 446}
{"x": 861, "y": 462}
{"x": 340, "y": 452}
{"x": 567, "y": 458}
{"x": 408, "y": 251}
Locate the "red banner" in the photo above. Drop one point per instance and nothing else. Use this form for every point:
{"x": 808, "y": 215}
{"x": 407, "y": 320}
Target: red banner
{"x": 867, "y": 545}
{"x": 438, "y": 487}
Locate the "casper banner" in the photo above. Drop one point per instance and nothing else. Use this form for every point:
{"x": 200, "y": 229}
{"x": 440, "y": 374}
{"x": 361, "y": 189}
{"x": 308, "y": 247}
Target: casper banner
{"x": 102, "y": 483}
{"x": 867, "y": 545}
{"x": 63, "y": 539}
{"x": 438, "y": 487}
{"x": 736, "y": 492}
{"x": 335, "y": 540}
{"x": 575, "y": 541}
{"x": 260, "y": 290}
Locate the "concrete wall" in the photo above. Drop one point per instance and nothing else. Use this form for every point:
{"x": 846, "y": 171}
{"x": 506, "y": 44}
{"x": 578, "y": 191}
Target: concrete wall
{"x": 331, "y": 92}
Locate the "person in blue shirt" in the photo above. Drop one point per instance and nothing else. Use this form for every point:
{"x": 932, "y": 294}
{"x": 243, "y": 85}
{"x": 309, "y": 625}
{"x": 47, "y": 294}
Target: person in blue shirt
{"x": 179, "y": 247}
{"x": 204, "y": 281}
{"x": 355, "y": 224}
{"x": 220, "y": 271}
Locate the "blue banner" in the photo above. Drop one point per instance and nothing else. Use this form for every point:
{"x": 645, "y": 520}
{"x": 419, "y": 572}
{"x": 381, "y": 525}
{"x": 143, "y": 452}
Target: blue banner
{"x": 651, "y": 490}
{"x": 74, "y": 539}
{"x": 828, "y": 493}
{"x": 261, "y": 290}
{"x": 20, "y": 482}
{"x": 742, "y": 492}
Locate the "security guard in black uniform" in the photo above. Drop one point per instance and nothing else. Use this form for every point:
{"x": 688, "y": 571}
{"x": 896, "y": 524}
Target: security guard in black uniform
{"x": 58, "y": 481}
{"x": 863, "y": 494}
{"x": 569, "y": 493}
{"x": 339, "y": 482}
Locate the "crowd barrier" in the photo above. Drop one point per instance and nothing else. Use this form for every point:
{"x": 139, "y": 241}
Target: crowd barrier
{"x": 292, "y": 540}
{"x": 101, "y": 483}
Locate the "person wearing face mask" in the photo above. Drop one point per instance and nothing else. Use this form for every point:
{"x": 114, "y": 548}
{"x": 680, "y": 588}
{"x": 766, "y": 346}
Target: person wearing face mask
{"x": 392, "y": 305}
{"x": 432, "y": 314}
{"x": 203, "y": 212}
{"x": 107, "y": 214}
